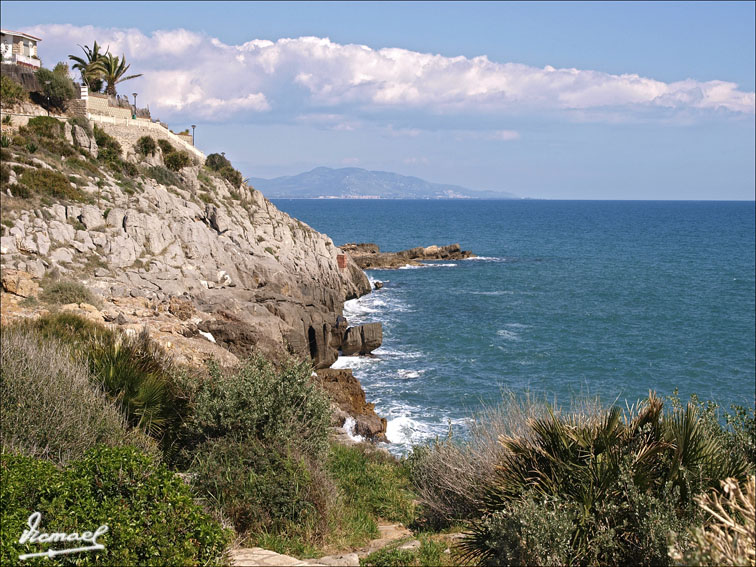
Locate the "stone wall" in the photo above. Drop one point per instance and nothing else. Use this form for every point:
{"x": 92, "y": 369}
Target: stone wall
{"x": 128, "y": 131}
{"x": 99, "y": 105}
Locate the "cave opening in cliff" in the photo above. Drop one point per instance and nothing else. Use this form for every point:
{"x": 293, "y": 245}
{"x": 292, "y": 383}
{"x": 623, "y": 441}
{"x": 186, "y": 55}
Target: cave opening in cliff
{"x": 313, "y": 343}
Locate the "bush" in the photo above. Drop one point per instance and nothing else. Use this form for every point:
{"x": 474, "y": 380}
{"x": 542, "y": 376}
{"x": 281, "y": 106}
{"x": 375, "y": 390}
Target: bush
{"x": 231, "y": 175}
{"x": 106, "y": 142}
{"x": 729, "y": 536}
{"x": 4, "y": 173}
{"x": 146, "y": 146}
{"x": 219, "y": 163}
{"x": 450, "y": 476}
{"x": 165, "y": 146}
{"x": 257, "y": 401}
{"x": 11, "y": 92}
{"x": 51, "y": 183}
{"x": 176, "y": 160}
{"x": 134, "y": 372}
{"x": 50, "y": 409}
{"x": 60, "y": 89}
{"x": 45, "y": 127}
{"x": 216, "y": 162}
{"x": 632, "y": 480}
{"x": 163, "y": 175}
{"x": 262, "y": 487}
{"x": 81, "y": 122}
{"x": 150, "y": 513}
{"x": 65, "y": 291}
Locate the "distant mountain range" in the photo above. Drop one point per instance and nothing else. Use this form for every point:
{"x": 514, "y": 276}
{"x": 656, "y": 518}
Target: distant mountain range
{"x": 357, "y": 183}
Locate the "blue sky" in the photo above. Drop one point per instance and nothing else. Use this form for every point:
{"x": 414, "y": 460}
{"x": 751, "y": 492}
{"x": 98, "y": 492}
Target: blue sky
{"x": 545, "y": 100}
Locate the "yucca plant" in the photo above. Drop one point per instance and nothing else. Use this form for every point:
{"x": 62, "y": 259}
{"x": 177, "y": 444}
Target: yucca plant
{"x": 602, "y": 467}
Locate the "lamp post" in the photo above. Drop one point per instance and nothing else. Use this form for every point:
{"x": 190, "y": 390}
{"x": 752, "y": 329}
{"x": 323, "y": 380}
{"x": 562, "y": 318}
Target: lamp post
{"x": 47, "y": 92}
{"x": 135, "y": 106}
{"x": 193, "y": 127}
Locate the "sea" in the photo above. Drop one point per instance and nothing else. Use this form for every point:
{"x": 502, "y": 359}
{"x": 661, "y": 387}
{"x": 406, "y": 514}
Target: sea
{"x": 565, "y": 299}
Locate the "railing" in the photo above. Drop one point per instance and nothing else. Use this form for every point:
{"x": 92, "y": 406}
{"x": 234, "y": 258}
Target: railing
{"x": 25, "y": 60}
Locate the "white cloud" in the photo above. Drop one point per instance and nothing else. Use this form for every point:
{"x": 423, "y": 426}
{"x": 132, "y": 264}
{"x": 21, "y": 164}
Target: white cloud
{"x": 191, "y": 73}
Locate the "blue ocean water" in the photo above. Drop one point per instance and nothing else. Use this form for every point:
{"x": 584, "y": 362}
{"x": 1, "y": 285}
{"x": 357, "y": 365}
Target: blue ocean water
{"x": 567, "y": 298}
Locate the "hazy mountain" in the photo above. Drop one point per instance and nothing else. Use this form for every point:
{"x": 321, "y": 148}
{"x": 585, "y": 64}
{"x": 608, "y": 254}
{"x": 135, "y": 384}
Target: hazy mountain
{"x": 357, "y": 183}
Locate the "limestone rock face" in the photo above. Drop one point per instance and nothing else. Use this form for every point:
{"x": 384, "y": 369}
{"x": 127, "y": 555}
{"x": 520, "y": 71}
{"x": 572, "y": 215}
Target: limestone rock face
{"x": 19, "y": 283}
{"x": 209, "y": 269}
{"x": 83, "y": 140}
{"x": 362, "y": 339}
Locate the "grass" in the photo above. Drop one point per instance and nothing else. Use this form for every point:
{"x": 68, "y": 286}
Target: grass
{"x": 434, "y": 551}
{"x": 64, "y": 292}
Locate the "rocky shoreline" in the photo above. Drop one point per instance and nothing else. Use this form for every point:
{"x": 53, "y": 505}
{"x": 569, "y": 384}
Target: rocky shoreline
{"x": 368, "y": 256}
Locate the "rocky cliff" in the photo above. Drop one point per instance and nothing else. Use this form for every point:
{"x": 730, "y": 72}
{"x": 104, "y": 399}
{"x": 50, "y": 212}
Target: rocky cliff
{"x": 211, "y": 268}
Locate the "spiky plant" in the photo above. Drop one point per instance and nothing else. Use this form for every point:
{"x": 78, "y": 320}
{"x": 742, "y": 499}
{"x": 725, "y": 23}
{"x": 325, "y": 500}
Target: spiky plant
{"x": 605, "y": 464}
{"x": 133, "y": 371}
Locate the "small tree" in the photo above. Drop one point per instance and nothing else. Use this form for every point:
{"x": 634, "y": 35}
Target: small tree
{"x": 55, "y": 86}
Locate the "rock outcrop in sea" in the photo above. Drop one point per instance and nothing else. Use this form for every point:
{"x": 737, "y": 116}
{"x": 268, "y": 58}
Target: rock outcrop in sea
{"x": 369, "y": 255}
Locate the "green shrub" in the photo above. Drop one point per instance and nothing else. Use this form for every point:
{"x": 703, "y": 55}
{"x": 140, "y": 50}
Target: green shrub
{"x": 216, "y": 162}
{"x": 220, "y": 163}
{"x": 65, "y": 291}
{"x": 50, "y": 409}
{"x": 52, "y": 183}
{"x": 258, "y": 401}
{"x": 31, "y": 147}
{"x": 60, "y": 89}
{"x": 165, "y": 146}
{"x": 163, "y": 175}
{"x": 176, "y": 160}
{"x": 81, "y": 122}
{"x": 632, "y": 480}
{"x": 231, "y": 175}
{"x": 146, "y": 146}
{"x": 19, "y": 191}
{"x": 150, "y": 513}
{"x": 106, "y": 142}
{"x": 4, "y": 173}
{"x": 262, "y": 487}
{"x": 5, "y": 141}
{"x": 11, "y": 92}
{"x": 45, "y": 127}
{"x": 135, "y": 372}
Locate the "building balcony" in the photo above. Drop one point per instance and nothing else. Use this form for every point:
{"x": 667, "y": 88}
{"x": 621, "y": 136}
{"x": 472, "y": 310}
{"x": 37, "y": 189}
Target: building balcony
{"x": 24, "y": 60}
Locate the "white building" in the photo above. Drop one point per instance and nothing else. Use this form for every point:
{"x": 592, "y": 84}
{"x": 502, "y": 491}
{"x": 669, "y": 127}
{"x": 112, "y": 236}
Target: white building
{"x": 19, "y": 48}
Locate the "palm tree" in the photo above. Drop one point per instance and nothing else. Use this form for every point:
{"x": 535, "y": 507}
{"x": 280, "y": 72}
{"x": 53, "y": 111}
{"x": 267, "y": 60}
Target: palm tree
{"x": 88, "y": 67}
{"x": 113, "y": 70}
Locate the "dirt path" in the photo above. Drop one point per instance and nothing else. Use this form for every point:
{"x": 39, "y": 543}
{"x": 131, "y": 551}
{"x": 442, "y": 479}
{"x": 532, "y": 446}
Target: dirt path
{"x": 257, "y": 556}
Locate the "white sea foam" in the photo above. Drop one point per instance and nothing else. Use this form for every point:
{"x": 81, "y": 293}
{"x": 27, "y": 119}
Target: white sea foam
{"x": 353, "y": 362}
{"x": 350, "y": 428}
{"x": 485, "y": 259}
{"x": 405, "y": 430}
{"x": 409, "y": 374}
{"x": 508, "y": 335}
